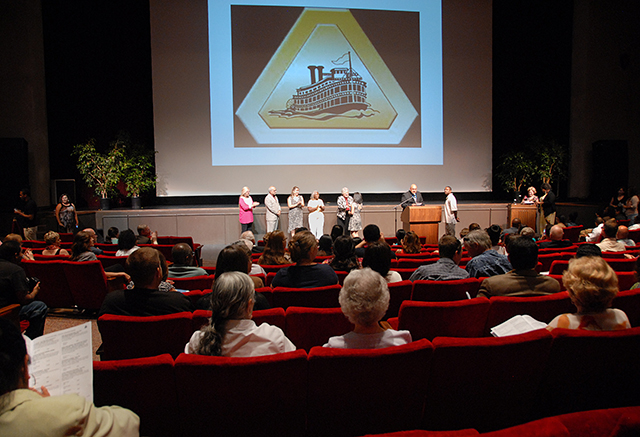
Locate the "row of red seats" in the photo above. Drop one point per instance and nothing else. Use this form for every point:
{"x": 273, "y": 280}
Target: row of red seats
{"x": 133, "y": 337}
{"x": 450, "y": 383}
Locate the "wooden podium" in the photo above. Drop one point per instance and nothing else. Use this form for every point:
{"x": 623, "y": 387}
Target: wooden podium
{"x": 526, "y": 214}
{"x": 423, "y": 220}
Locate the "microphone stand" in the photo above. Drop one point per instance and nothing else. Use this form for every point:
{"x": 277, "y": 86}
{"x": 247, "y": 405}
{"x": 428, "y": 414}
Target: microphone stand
{"x": 395, "y": 211}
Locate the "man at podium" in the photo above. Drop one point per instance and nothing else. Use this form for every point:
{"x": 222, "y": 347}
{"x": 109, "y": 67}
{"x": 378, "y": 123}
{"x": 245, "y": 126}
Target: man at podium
{"x": 411, "y": 197}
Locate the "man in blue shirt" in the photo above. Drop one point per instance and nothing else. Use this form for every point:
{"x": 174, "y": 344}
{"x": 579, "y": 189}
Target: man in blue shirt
{"x": 485, "y": 262}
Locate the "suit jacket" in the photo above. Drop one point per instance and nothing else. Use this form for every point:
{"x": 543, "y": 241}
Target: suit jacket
{"x": 407, "y": 195}
{"x": 519, "y": 283}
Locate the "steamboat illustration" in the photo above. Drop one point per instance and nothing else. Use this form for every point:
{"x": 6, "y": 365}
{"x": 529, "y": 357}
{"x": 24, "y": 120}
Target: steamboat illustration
{"x": 339, "y": 92}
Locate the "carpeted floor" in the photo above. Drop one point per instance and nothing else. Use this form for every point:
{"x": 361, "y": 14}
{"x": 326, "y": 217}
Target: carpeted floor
{"x": 57, "y": 323}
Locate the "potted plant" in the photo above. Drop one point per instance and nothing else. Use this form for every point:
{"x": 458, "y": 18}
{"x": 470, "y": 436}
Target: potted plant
{"x": 514, "y": 170}
{"x": 101, "y": 171}
{"x": 139, "y": 175}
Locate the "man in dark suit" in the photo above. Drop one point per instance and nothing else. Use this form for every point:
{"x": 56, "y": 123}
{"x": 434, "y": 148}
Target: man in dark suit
{"x": 555, "y": 239}
{"x": 411, "y": 197}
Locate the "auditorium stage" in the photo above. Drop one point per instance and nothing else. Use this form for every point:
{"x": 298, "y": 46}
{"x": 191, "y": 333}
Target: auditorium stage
{"x": 220, "y": 225}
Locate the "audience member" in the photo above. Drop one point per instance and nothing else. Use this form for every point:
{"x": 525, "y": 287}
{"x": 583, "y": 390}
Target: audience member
{"x": 446, "y": 268}
{"x": 16, "y": 289}
{"x": 25, "y": 215}
{"x": 516, "y": 225}
{"x": 593, "y": 235}
{"x": 364, "y": 300}
{"x": 494, "y": 232}
{"x": 165, "y": 284}
{"x": 31, "y": 412}
{"x": 561, "y": 221}
{"x": 231, "y": 332}
{"x": 592, "y": 284}
{"x": 52, "y": 239}
{"x": 636, "y": 274}
{"x": 145, "y": 236}
{"x": 237, "y": 258}
{"x": 377, "y": 256}
{"x": 127, "y": 243}
{"x": 344, "y": 254}
{"x": 589, "y": 249}
{"x": 325, "y": 245}
{"x": 463, "y": 233}
{"x": 336, "y": 231}
{"x": 523, "y": 280}
{"x": 112, "y": 235}
{"x": 274, "y": 245}
{"x": 623, "y": 236}
{"x": 609, "y": 242}
{"x": 528, "y": 232}
{"x": 182, "y": 266}
{"x": 573, "y": 217}
{"x": 555, "y": 240}
{"x": 474, "y": 227}
{"x": 371, "y": 233}
{"x": 94, "y": 241}
{"x": 305, "y": 273}
{"x": 484, "y": 262}
{"x": 248, "y": 235}
{"x": 144, "y": 267}
{"x": 410, "y": 243}
{"x": 631, "y": 207}
{"x": 256, "y": 269}
{"x": 25, "y": 252}
{"x": 81, "y": 247}
{"x": 400, "y": 233}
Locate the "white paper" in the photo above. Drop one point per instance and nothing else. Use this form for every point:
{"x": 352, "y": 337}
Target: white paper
{"x": 517, "y": 325}
{"x": 63, "y": 362}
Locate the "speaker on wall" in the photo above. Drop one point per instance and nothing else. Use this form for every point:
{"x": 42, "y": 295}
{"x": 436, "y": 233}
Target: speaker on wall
{"x": 610, "y": 168}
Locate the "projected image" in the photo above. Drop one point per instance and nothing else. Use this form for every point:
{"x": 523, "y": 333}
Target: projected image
{"x": 300, "y": 82}
{"x": 355, "y": 90}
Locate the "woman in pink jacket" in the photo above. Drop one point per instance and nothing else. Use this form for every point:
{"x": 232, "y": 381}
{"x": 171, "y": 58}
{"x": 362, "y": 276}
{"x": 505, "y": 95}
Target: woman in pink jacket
{"x": 246, "y": 204}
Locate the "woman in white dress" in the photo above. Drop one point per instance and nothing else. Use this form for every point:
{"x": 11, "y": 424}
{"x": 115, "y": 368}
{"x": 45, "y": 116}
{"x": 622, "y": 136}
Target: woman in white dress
{"x": 316, "y": 215}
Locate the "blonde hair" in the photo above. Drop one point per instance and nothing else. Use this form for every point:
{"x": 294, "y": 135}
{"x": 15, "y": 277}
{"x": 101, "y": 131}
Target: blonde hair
{"x": 411, "y": 243}
{"x": 13, "y": 237}
{"x": 591, "y": 282}
{"x": 51, "y": 237}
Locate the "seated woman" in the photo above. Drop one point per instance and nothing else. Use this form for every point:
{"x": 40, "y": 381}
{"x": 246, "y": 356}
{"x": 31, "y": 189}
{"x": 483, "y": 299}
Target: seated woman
{"x": 364, "y": 300}
{"x": 112, "y": 235}
{"x": 592, "y": 284}
{"x": 325, "y": 245}
{"x": 53, "y": 245}
{"x": 231, "y": 332}
{"x": 306, "y": 273}
{"x": 377, "y": 256}
{"x": 81, "y": 251}
{"x": 344, "y": 251}
{"x": 126, "y": 243}
{"x": 273, "y": 255}
{"x": 410, "y": 243}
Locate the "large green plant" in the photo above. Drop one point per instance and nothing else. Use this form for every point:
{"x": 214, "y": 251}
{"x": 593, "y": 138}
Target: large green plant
{"x": 515, "y": 170}
{"x": 101, "y": 171}
{"x": 551, "y": 160}
{"x": 139, "y": 174}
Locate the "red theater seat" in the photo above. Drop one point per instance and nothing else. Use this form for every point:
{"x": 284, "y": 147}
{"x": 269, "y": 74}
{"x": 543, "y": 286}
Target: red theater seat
{"x": 258, "y": 396}
{"x": 484, "y": 383}
{"x": 399, "y": 292}
{"x": 629, "y": 302}
{"x": 194, "y": 283}
{"x": 355, "y": 392}
{"x": 272, "y": 316}
{"x": 309, "y": 327}
{"x": 54, "y": 288}
{"x": 442, "y": 291}
{"x": 319, "y": 297}
{"x": 87, "y": 282}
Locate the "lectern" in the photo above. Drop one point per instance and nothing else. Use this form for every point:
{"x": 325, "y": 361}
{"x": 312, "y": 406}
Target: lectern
{"x": 423, "y": 220}
{"x": 526, "y": 214}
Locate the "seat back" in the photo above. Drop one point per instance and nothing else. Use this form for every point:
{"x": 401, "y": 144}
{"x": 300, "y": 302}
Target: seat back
{"x": 546, "y": 260}
{"x": 41, "y": 257}
{"x": 590, "y": 370}
{"x": 629, "y": 302}
{"x": 484, "y": 383}
{"x": 203, "y": 282}
{"x": 405, "y": 274}
{"x": 621, "y": 265}
{"x": 399, "y": 292}
{"x": 625, "y": 280}
{"x": 125, "y": 337}
{"x": 146, "y": 386}
{"x": 319, "y": 297}
{"x": 11, "y": 313}
{"x": 357, "y": 392}
{"x": 462, "y": 318}
{"x": 635, "y": 235}
{"x": 242, "y": 396}
{"x": 572, "y": 233}
{"x": 54, "y": 288}
{"x": 110, "y": 261}
{"x": 309, "y": 327}
{"x": 87, "y": 282}
{"x": 165, "y": 249}
{"x": 558, "y": 266}
{"x": 274, "y": 268}
{"x": 442, "y": 291}
{"x": 272, "y": 316}
{"x": 542, "y": 308}
{"x": 414, "y": 263}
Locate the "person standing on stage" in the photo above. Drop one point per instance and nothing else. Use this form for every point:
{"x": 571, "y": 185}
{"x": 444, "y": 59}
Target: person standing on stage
{"x": 295, "y": 202}
{"x": 411, "y": 197}
{"x": 26, "y": 215}
{"x": 273, "y": 209}
{"x": 450, "y": 212}
{"x": 344, "y": 209}
{"x": 548, "y": 202}
{"x": 246, "y": 205}
{"x": 316, "y": 215}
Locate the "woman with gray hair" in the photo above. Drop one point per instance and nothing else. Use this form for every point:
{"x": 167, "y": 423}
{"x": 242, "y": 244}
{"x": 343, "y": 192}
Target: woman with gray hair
{"x": 364, "y": 300}
{"x": 231, "y": 332}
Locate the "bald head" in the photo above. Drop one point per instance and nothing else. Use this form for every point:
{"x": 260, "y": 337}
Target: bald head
{"x": 94, "y": 236}
{"x": 516, "y": 223}
{"x": 182, "y": 254}
{"x": 623, "y": 232}
{"x": 556, "y": 233}
{"x": 413, "y": 188}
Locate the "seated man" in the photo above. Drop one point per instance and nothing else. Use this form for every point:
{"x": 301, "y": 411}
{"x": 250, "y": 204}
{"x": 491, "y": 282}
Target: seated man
{"x": 593, "y": 235}
{"x": 623, "y": 236}
{"x": 182, "y": 263}
{"x": 446, "y": 268}
{"x": 516, "y": 225}
{"x": 555, "y": 240}
{"x": 145, "y": 236}
{"x": 14, "y": 289}
{"x": 609, "y": 242}
{"x": 371, "y": 234}
{"x": 248, "y": 235}
{"x": 30, "y": 412}
{"x": 523, "y": 280}
{"x": 485, "y": 262}
{"x": 144, "y": 299}
{"x": 94, "y": 239}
